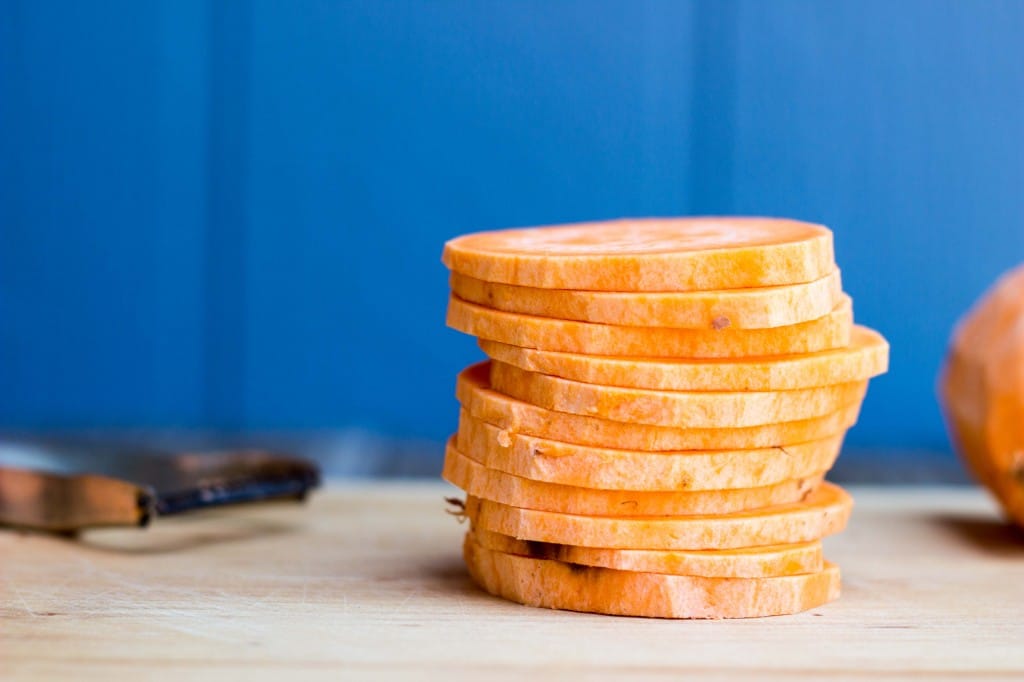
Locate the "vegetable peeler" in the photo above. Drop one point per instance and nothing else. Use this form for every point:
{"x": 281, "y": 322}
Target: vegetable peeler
{"x": 59, "y": 488}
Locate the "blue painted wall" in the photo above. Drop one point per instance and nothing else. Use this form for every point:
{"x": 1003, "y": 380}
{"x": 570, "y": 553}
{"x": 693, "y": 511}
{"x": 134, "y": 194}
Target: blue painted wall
{"x": 230, "y": 214}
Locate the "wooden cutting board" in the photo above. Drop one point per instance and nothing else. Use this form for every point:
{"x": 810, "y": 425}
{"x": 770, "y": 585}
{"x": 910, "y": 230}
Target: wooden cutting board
{"x": 366, "y": 581}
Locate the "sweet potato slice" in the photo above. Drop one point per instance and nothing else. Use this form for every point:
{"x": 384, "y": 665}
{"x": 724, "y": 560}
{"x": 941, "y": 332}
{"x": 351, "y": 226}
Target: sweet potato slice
{"x": 747, "y": 562}
{"x": 824, "y": 512}
{"x": 700, "y": 409}
{"x": 759, "y": 308}
{"x": 571, "y": 336}
{"x": 568, "y": 464}
{"x": 474, "y": 392}
{"x": 677, "y": 254}
{"x": 490, "y": 484}
{"x": 867, "y": 356}
{"x": 576, "y": 587}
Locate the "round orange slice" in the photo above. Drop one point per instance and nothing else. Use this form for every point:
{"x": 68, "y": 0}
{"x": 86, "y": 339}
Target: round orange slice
{"x": 867, "y": 356}
{"x": 824, "y": 512}
{"x": 513, "y": 416}
{"x": 576, "y": 587}
{"x": 571, "y": 336}
{"x": 702, "y": 409}
{"x": 490, "y": 484}
{"x": 582, "y": 466}
{"x": 732, "y": 308}
{"x": 748, "y": 562}
{"x": 656, "y": 254}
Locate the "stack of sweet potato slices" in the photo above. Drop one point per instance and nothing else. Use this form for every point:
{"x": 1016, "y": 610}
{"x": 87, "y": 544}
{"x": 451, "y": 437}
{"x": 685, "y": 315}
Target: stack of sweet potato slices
{"x": 661, "y": 403}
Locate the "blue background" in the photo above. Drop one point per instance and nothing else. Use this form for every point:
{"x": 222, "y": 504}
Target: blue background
{"x": 230, "y": 215}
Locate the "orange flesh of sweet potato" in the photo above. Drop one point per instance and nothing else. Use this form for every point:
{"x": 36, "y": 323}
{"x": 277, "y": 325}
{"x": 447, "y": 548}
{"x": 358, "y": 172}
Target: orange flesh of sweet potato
{"x": 982, "y": 389}
{"x": 571, "y": 336}
{"x": 700, "y": 409}
{"x": 866, "y": 357}
{"x": 576, "y": 587}
{"x": 474, "y": 392}
{"x": 825, "y": 511}
{"x": 663, "y": 397}
{"x": 569, "y": 464}
{"x": 759, "y": 308}
{"x": 748, "y": 562}
{"x": 489, "y": 484}
{"x": 679, "y": 254}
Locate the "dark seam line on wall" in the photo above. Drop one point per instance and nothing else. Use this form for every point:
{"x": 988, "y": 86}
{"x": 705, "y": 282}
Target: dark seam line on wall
{"x": 225, "y": 268}
{"x": 714, "y": 106}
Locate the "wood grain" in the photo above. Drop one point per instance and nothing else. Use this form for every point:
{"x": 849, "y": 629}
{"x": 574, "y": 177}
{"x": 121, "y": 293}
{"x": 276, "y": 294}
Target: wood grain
{"x": 367, "y": 581}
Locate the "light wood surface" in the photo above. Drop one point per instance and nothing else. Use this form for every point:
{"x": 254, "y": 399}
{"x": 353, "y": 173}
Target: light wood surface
{"x": 366, "y": 581}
